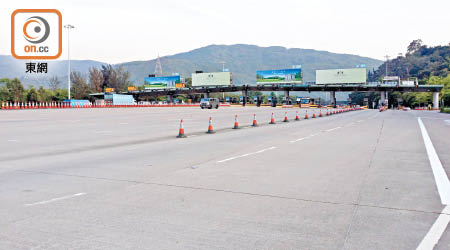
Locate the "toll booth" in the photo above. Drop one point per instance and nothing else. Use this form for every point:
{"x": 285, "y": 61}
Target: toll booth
{"x": 273, "y": 101}
{"x": 257, "y": 100}
{"x": 287, "y": 100}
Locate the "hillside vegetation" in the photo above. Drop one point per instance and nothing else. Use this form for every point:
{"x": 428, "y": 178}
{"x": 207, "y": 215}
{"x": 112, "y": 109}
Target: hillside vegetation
{"x": 431, "y": 65}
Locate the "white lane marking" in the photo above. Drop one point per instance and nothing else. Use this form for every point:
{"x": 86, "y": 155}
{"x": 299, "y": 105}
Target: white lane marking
{"x": 54, "y": 199}
{"x": 299, "y": 139}
{"x": 440, "y": 177}
{"x": 331, "y": 129}
{"x": 13, "y": 140}
{"x": 244, "y": 155}
{"x": 351, "y": 123}
{"x": 303, "y": 138}
{"x": 192, "y": 136}
{"x": 447, "y": 122}
{"x": 123, "y": 123}
{"x": 360, "y": 120}
{"x": 434, "y": 234}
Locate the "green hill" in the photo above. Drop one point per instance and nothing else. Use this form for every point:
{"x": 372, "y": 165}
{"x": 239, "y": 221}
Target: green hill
{"x": 242, "y": 60}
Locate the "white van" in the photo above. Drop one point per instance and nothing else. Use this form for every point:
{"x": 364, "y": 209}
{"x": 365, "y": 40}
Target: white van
{"x": 209, "y": 103}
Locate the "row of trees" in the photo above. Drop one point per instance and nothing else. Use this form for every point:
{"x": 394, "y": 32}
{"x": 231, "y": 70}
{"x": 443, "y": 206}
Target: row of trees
{"x": 13, "y": 90}
{"x": 99, "y": 79}
{"x": 411, "y": 99}
{"x": 431, "y": 65}
{"x": 81, "y": 85}
{"x": 419, "y": 61}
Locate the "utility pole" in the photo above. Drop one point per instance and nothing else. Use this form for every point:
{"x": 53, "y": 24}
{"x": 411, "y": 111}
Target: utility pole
{"x": 387, "y": 60}
{"x": 68, "y": 27}
{"x": 223, "y": 70}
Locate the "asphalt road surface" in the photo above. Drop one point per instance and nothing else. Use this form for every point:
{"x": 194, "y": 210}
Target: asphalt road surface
{"x": 119, "y": 179}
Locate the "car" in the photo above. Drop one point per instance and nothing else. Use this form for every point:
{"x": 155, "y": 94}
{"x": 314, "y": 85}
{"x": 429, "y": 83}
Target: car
{"x": 209, "y": 103}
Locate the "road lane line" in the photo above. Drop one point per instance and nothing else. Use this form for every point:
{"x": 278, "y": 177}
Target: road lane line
{"x": 447, "y": 122}
{"x": 351, "y": 123}
{"x": 303, "y": 138}
{"x": 431, "y": 239}
{"x": 331, "y": 129}
{"x": 244, "y": 155}
{"x": 440, "y": 177}
{"x": 360, "y": 120}
{"x": 53, "y": 200}
{"x": 299, "y": 139}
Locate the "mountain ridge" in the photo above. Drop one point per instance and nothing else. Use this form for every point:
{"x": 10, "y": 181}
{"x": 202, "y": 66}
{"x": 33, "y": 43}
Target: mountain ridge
{"x": 241, "y": 59}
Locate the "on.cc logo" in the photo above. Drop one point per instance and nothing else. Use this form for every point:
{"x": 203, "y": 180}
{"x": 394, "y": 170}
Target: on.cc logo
{"x": 36, "y": 34}
{"x": 36, "y": 29}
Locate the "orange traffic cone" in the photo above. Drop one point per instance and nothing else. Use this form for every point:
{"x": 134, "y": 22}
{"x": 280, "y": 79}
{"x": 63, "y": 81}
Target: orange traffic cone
{"x": 255, "y": 123}
{"x": 285, "y": 117}
{"x": 320, "y": 113}
{"x": 272, "y": 119}
{"x": 314, "y": 115}
{"x": 296, "y": 116}
{"x": 210, "y": 127}
{"x": 306, "y": 115}
{"x": 181, "y": 131}
{"x": 236, "y": 123}
{"x": 326, "y": 113}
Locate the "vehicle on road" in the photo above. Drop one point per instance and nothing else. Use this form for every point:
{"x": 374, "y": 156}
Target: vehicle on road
{"x": 209, "y": 103}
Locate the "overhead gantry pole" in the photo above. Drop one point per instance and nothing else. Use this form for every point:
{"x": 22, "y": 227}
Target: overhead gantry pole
{"x": 244, "y": 96}
{"x": 286, "y": 96}
{"x": 435, "y": 100}
{"x": 333, "y": 98}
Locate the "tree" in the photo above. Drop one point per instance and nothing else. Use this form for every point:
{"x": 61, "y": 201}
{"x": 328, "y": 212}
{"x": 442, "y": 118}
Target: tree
{"x": 32, "y": 95}
{"x": 54, "y": 83}
{"x": 414, "y": 46}
{"x": 15, "y": 90}
{"x": 80, "y": 88}
{"x": 123, "y": 78}
{"x": 4, "y": 93}
{"x": 96, "y": 79}
{"x": 59, "y": 95}
{"x": 118, "y": 78}
{"x": 106, "y": 73}
{"x": 42, "y": 94}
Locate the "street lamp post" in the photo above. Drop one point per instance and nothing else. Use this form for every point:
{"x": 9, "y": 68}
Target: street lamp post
{"x": 68, "y": 27}
{"x": 387, "y": 60}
